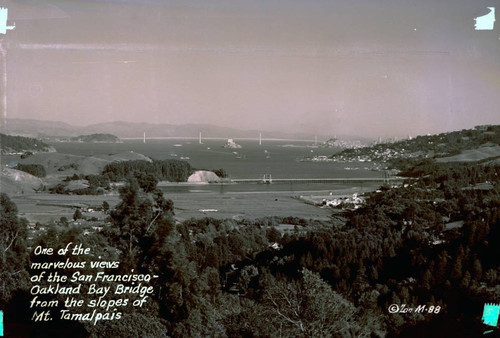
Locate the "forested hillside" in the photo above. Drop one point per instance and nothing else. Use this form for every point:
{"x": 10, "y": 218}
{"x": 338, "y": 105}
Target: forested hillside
{"x": 17, "y": 144}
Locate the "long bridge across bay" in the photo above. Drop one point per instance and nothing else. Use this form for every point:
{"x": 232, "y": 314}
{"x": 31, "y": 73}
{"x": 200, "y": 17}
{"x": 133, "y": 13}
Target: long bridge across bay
{"x": 268, "y": 179}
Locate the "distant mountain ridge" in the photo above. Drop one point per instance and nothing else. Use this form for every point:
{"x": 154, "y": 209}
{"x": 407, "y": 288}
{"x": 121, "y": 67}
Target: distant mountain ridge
{"x": 43, "y": 129}
{"x": 37, "y": 128}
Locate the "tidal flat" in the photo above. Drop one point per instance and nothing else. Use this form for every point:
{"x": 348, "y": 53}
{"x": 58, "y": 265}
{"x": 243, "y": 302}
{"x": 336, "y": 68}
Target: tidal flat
{"x": 237, "y": 205}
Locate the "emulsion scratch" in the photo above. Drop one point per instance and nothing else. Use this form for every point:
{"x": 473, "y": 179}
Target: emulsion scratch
{"x": 4, "y": 12}
{"x": 99, "y": 62}
{"x": 91, "y": 47}
{"x": 231, "y": 50}
{"x": 3, "y": 82}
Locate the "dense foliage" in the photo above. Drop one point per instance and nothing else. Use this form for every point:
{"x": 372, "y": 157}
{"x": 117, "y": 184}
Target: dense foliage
{"x": 37, "y": 170}
{"x": 220, "y": 173}
{"x": 96, "y": 185}
{"x": 13, "y": 250}
{"x": 165, "y": 170}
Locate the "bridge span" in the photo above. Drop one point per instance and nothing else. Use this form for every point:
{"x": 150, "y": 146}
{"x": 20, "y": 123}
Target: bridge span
{"x": 268, "y": 180}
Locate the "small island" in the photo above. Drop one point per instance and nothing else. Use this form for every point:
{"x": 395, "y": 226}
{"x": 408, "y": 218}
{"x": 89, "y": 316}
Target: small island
{"x": 231, "y": 144}
{"x": 96, "y": 138}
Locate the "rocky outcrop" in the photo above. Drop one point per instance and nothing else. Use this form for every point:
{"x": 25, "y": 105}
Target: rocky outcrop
{"x": 203, "y": 176}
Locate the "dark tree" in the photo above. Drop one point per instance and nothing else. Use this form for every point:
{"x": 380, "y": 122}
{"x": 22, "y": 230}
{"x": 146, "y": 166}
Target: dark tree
{"x": 273, "y": 235}
{"x": 146, "y": 181}
{"x": 64, "y": 221}
{"x": 37, "y": 170}
{"x": 77, "y": 215}
{"x": 13, "y": 254}
{"x": 141, "y": 223}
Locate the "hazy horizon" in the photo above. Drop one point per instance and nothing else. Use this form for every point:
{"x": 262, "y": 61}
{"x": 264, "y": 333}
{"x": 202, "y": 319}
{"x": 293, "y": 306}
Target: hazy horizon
{"x": 242, "y": 129}
{"x": 370, "y": 68}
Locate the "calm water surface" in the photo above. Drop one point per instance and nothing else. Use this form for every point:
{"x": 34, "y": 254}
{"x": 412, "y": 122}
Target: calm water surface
{"x": 278, "y": 158}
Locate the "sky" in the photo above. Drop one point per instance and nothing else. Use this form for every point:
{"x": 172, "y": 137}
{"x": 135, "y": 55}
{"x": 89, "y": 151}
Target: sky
{"x": 367, "y": 67}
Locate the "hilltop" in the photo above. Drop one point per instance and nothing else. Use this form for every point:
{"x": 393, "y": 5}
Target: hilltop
{"x": 43, "y": 171}
{"x": 90, "y": 175}
{"x": 65, "y": 164}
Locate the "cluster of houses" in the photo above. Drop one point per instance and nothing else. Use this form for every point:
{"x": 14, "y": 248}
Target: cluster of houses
{"x": 353, "y": 202}
{"x": 343, "y": 144}
{"x": 378, "y": 155}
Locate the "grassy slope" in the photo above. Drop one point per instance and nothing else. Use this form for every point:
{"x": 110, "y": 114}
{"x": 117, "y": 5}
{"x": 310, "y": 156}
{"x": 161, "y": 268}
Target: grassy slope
{"x": 472, "y": 155}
